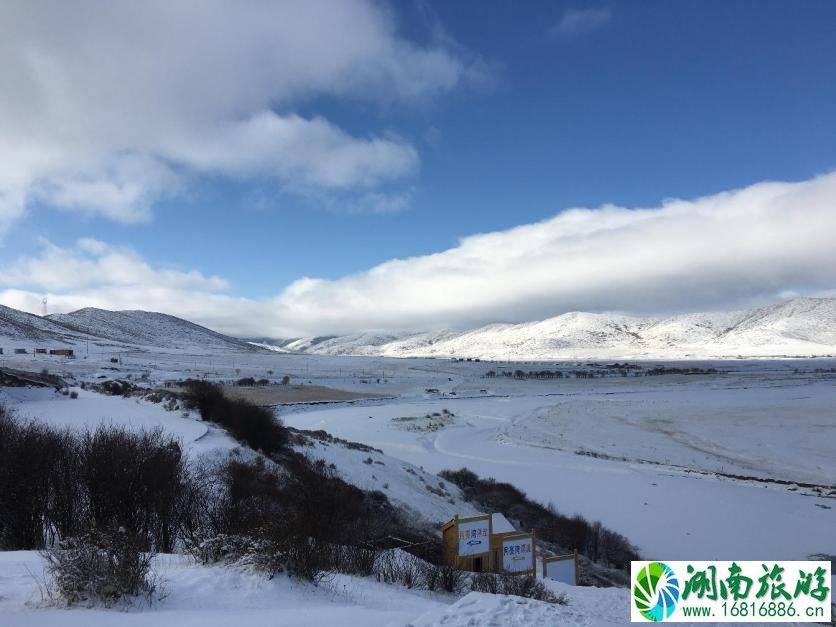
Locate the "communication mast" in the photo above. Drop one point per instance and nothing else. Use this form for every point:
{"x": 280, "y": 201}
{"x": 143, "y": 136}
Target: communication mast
{"x": 43, "y": 302}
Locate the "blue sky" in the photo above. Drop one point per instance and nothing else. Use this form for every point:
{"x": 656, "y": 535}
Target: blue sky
{"x": 554, "y": 105}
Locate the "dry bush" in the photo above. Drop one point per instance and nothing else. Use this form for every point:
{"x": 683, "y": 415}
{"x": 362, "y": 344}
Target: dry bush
{"x": 100, "y": 568}
{"x": 133, "y": 480}
{"x": 354, "y": 560}
{"x": 528, "y": 586}
{"x": 307, "y": 559}
{"x": 57, "y": 484}
{"x": 518, "y": 585}
{"x": 250, "y": 424}
{"x": 398, "y": 567}
{"x": 39, "y": 495}
{"x": 485, "y": 582}
{"x": 443, "y": 577}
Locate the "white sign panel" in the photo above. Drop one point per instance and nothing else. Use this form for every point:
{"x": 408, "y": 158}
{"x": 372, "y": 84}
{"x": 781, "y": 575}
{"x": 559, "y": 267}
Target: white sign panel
{"x": 562, "y": 570}
{"x": 473, "y": 537}
{"x": 517, "y": 555}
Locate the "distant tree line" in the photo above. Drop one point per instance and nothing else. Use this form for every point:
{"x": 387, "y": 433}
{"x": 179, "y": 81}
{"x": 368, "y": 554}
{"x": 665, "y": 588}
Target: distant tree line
{"x": 612, "y": 370}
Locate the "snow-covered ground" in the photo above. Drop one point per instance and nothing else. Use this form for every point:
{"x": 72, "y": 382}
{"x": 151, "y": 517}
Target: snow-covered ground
{"x": 91, "y": 409}
{"x": 652, "y": 457}
{"x": 668, "y": 511}
{"x": 196, "y": 595}
{"x": 652, "y": 444}
{"x": 208, "y": 596}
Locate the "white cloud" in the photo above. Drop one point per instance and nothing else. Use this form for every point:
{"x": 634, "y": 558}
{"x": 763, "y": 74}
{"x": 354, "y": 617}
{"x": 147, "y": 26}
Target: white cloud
{"x": 726, "y": 250}
{"x": 578, "y": 21}
{"x": 105, "y": 107}
{"x": 92, "y": 264}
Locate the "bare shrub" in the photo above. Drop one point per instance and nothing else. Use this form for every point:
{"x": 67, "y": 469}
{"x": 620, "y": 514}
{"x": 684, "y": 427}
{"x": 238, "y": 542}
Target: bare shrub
{"x": 221, "y": 548}
{"x": 398, "y": 567}
{"x": 518, "y": 585}
{"x": 443, "y": 577}
{"x": 354, "y": 560}
{"x": 56, "y": 484}
{"x": 527, "y": 586}
{"x": 250, "y": 424}
{"x": 133, "y": 480}
{"x": 38, "y": 495}
{"x": 100, "y": 568}
{"x": 484, "y": 582}
{"x": 307, "y": 559}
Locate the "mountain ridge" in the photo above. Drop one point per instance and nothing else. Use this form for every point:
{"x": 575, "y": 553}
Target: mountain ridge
{"x": 143, "y": 328}
{"x": 106, "y": 328}
{"x": 800, "y": 326}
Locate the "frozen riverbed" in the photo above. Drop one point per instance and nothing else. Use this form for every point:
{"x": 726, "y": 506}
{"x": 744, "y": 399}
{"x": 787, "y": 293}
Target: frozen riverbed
{"x": 644, "y": 442}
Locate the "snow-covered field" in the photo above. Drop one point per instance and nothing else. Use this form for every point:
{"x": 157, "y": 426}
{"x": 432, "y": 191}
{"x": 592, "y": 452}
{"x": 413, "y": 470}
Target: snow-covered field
{"x": 660, "y": 459}
{"x": 667, "y": 510}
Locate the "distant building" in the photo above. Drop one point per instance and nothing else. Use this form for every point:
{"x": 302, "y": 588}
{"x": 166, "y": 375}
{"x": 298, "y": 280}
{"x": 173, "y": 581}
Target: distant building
{"x": 63, "y": 352}
{"x": 40, "y": 351}
{"x": 20, "y": 351}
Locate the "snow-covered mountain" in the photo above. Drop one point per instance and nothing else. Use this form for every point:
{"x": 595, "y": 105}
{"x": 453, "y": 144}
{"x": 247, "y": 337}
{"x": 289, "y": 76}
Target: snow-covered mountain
{"x": 100, "y": 326}
{"x": 145, "y": 328}
{"x": 23, "y": 326}
{"x": 801, "y": 326}
{"x": 797, "y": 327}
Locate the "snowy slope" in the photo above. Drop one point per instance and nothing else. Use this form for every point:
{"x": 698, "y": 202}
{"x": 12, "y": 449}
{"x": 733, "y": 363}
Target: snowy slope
{"x": 357, "y": 344}
{"x": 22, "y": 326}
{"x": 219, "y": 596}
{"x": 145, "y": 328}
{"x": 216, "y": 596}
{"x": 798, "y": 321}
{"x": 408, "y": 486}
{"x": 801, "y": 326}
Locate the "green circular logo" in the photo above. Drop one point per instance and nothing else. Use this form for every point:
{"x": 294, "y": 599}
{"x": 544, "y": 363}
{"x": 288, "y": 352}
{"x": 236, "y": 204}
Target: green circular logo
{"x": 656, "y": 591}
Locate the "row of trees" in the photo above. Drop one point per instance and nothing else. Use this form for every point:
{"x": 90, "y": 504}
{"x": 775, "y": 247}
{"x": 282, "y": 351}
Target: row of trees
{"x": 616, "y": 370}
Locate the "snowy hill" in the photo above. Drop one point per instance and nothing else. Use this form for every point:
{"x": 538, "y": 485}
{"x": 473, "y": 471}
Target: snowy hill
{"x": 135, "y": 328}
{"x": 801, "y": 326}
{"x": 797, "y": 327}
{"x": 25, "y": 327}
{"x": 145, "y": 328}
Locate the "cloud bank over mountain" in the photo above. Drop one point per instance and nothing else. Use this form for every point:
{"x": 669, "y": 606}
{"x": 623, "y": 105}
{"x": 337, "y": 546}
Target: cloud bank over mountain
{"x": 736, "y": 248}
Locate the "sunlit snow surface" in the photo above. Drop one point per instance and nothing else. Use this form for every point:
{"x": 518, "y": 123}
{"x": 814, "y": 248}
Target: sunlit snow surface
{"x": 652, "y": 457}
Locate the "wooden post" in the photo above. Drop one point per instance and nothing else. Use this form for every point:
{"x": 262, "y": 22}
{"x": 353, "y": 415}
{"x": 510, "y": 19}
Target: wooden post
{"x": 534, "y": 553}
{"x": 575, "y": 551}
